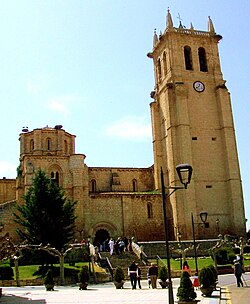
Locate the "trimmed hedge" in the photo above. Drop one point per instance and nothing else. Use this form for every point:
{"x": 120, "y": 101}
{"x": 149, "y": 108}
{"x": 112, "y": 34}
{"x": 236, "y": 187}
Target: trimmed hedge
{"x": 6, "y": 272}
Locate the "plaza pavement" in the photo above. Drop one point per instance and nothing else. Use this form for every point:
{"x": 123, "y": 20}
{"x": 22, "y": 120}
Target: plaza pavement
{"x": 107, "y": 294}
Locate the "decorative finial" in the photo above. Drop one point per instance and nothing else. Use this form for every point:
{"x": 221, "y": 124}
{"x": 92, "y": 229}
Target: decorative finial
{"x": 210, "y": 26}
{"x": 169, "y": 20}
{"x": 155, "y": 39}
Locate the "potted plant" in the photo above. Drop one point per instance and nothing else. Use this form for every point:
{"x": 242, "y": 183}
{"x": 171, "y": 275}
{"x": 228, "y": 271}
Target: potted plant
{"x": 208, "y": 279}
{"x": 186, "y": 291}
{"x": 49, "y": 281}
{"x": 119, "y": 277}
{"x": 163, "y": 276}
{"x": 83, "y": 277}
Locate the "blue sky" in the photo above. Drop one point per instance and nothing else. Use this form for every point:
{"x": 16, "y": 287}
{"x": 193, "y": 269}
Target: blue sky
{"x": 83, "y": 64}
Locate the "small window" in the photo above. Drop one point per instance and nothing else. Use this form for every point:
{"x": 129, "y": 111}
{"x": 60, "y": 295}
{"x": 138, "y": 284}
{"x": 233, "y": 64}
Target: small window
{"x": 48, "y": 144}
{"x": 194, "y": 138}
{"x": 149, "y": 210}
{"x": 213, "y": 138}
{"x": 165, "y": 63}
{"x": 159, "y": 69}
{"x": 135, "y": 189}
{"x": 209, "y": 186}
{"x": 55, "y": 177}
{"x": 188, "y": 58}
{"x": 31, "y": 145}
{"x": 65, "y": 147}
{"x": 202, "y": 59}
{"x": 93, "y": 185}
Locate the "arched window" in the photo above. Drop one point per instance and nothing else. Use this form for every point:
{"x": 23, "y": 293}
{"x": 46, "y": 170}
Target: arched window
{"x": 202, "y": 59}
{"x": 31, "y": 145}
{"x": 55, "y": 177}
{"x": 135, "y": 188}
{"x": 93, "y": 185}
{"x": 48, "y": 143}
{"x": 65, "y": 147}
{"x": 159, "y": 69}
{"x": 165, "y": 63}
{"x": 149, "y": 210}
{"x": 188, "y": 58}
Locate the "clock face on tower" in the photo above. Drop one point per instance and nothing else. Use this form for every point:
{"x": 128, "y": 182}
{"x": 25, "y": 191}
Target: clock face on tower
{"x": 199, "y": 86}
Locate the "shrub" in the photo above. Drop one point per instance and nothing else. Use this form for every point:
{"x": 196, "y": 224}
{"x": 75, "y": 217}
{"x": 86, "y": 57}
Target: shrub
{"x": 48, "y": 280}
{"x": 6, "y": 272}
{"x": 207, "y": 276}
{"x": 224, "y": 255}
{"x": 247, "y": 249}
{"x": 186, "y": 290}
{"x": 83, "y": 275}
{"x": 119, "y": 275}
{"x": 163, "y": 274}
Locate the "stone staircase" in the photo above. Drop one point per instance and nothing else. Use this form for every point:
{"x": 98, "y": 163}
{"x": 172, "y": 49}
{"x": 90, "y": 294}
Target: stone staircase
{"x": 123, "y": 260}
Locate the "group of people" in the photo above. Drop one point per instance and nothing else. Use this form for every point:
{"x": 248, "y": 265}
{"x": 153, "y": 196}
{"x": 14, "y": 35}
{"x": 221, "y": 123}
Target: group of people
{"x": 118, "y": 246}
{"x": 238, "y": 272}
{"x": 134, "y": 272}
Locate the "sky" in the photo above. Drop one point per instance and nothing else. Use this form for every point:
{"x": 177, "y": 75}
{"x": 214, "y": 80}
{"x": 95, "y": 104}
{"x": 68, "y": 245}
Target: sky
{"x": 82, "y": 64}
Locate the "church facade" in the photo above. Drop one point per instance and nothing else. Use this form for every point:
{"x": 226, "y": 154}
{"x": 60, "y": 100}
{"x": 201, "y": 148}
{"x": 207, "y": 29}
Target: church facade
{"x": 192, "y": 122}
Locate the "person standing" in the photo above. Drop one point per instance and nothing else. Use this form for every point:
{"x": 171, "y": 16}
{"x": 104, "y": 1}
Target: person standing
{"x": 238, "y": 272}
{"x": 111, "y": 246}
{"x": 139, "y": 276}
{"x": 133, "y": 274}
{"x": 153, "y": 273}
{"x": 186, "y": 268}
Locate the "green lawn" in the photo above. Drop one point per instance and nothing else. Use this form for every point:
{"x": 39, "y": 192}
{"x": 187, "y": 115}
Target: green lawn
{"x": 176, "y": 264}
{"x": 27, "y": 272}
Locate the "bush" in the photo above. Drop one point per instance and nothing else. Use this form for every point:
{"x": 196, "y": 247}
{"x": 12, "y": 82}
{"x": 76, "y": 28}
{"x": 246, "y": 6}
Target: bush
{"x": 48, "y": 280}
{"x": 186, "y": 290}
{"x": 119, "y": 275}
{"x": 6, "y": 272}
{"x": 246, "y": 249}
{"x": 224, "y": 255}
{"x": 163, "y": 274}
{"x": 208, "y": 276}
{"x": 83, "y": 275}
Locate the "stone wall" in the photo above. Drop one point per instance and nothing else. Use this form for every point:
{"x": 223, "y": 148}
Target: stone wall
{"x": 7, "y": 190}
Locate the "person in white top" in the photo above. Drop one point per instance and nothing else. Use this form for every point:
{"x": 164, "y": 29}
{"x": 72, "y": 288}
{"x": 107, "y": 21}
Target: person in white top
{"x": 111, "y": 246}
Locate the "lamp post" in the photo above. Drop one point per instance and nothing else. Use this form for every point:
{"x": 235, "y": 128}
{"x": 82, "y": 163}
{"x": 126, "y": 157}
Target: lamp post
{"x": 184, "y": 172}
{"x": 180, "y": 245}
{"x": 89, "y": 254}
{"x": 203, "y": 217}
{"x": 194, "y": 242}
{"x": 218, "y": 226}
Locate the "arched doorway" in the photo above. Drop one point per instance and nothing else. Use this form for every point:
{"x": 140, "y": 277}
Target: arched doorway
{"x": 101, "y": 239}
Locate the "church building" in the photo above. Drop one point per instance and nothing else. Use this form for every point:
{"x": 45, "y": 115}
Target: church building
{"x": 192, "y": 123}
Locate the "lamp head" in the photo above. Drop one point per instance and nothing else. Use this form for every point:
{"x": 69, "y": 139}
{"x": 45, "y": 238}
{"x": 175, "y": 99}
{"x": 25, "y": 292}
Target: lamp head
{"x": 184, "y": 172}
{"x": 203, "y": 216}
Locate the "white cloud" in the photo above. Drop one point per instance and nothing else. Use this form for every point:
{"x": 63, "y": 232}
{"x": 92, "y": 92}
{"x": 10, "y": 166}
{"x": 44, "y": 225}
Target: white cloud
{"x": 7, "y": 169}
{"x": 131, "y": 128}
{"x": 61, "y": 103}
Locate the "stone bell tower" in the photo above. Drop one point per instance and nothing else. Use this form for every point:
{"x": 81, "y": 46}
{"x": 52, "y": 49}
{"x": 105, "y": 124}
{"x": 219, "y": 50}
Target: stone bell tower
{"x": 192, "y": 123}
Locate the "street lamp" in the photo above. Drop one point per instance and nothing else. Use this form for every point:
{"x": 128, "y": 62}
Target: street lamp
{"x": 218, "y": 226}
{"x": 179, "y": 235}
{"x": 184, "y": 172}
{"x": 195, "y": 252}
{"x": 89, "y": 254}
{"x": 203, "y": 216}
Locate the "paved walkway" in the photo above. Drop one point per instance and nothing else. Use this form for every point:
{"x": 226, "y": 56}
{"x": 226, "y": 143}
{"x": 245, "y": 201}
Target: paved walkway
{"x": 107, "y": 294}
